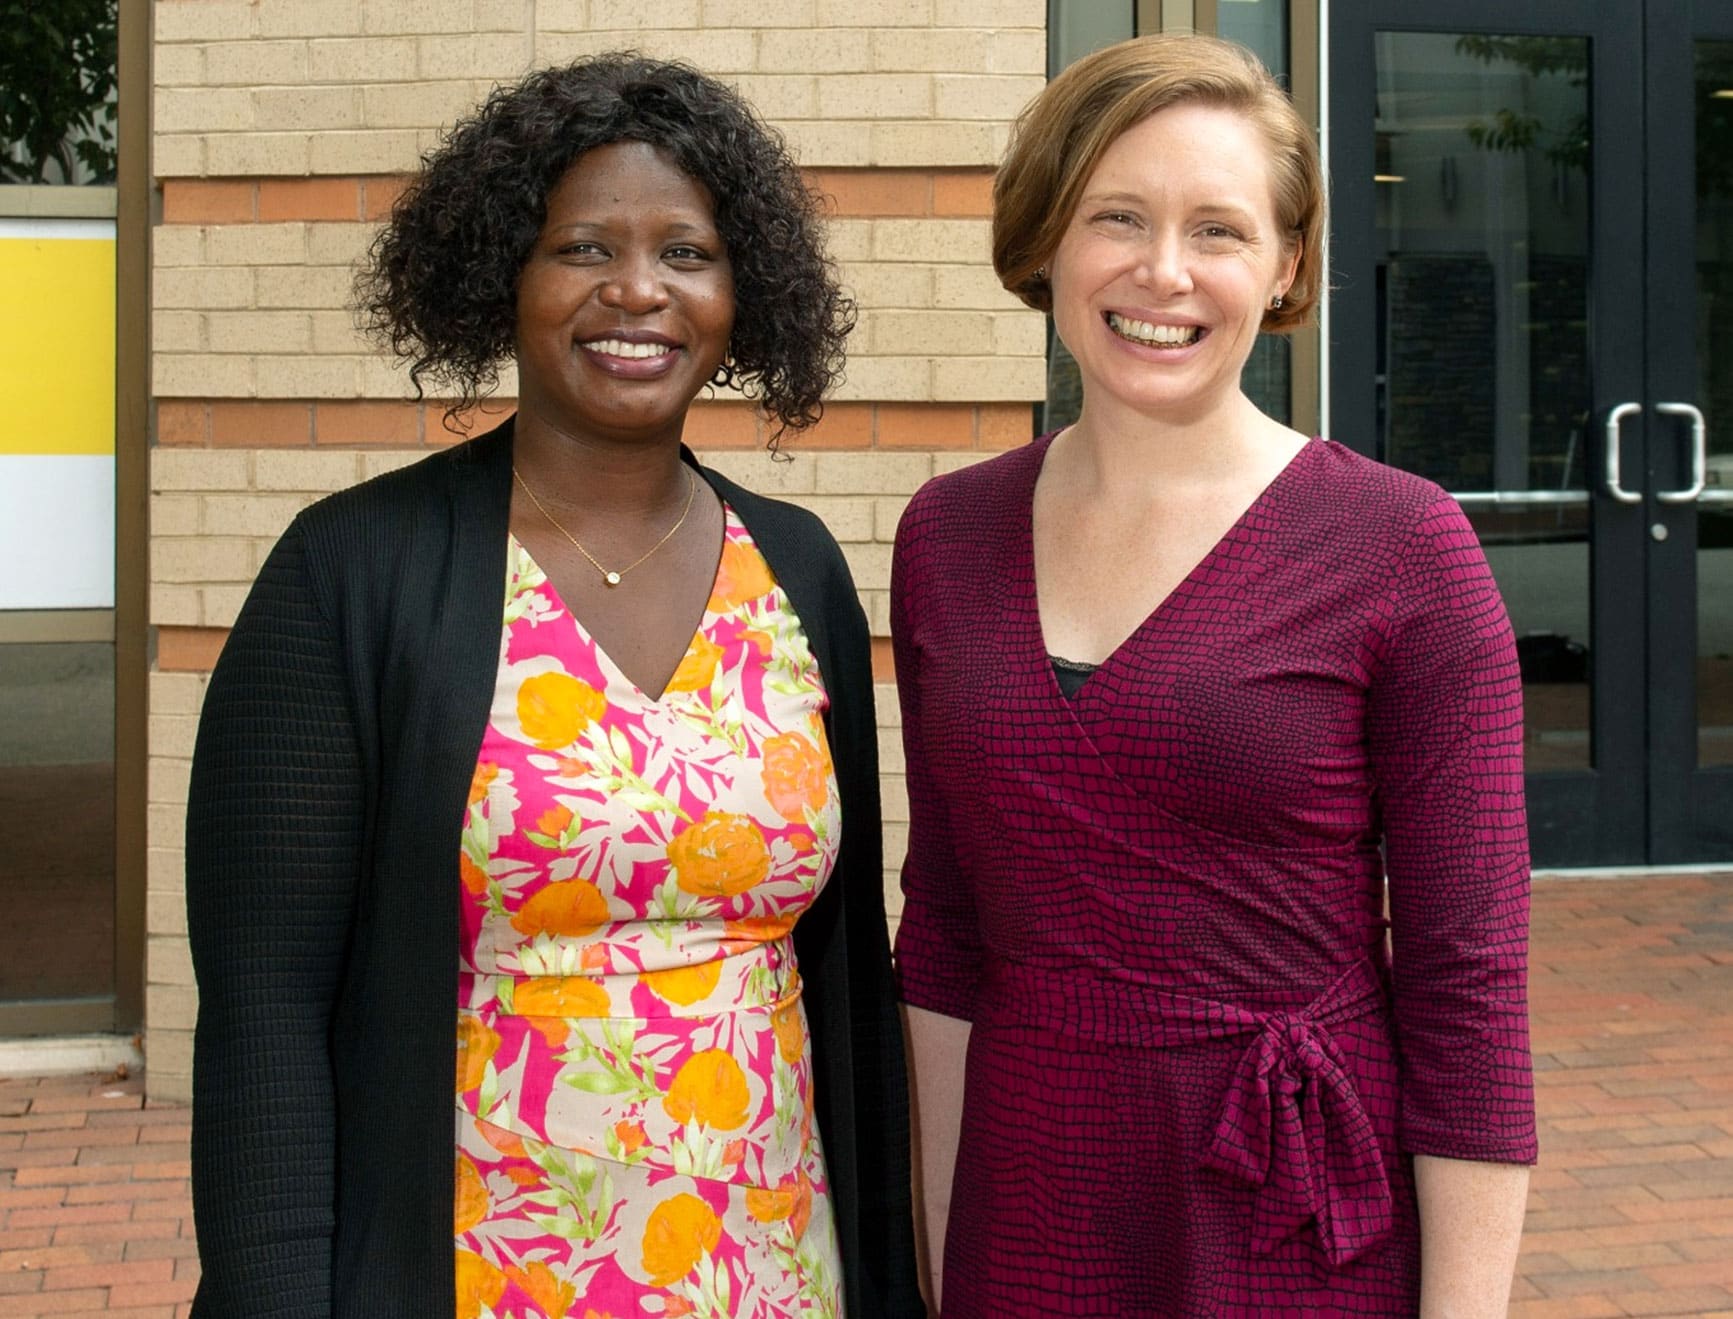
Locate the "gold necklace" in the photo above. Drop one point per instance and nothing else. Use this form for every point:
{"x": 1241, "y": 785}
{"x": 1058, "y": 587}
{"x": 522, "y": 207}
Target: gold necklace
{"x": 610, "y": 576}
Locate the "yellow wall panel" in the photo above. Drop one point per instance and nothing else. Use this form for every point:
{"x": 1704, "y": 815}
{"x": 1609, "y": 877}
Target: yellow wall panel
{"x": 57, "y": 336}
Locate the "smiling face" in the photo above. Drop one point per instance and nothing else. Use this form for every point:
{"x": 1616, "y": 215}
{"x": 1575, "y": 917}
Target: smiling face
{"x": 626, "y": 303}
{"x": 1161, "y": 279}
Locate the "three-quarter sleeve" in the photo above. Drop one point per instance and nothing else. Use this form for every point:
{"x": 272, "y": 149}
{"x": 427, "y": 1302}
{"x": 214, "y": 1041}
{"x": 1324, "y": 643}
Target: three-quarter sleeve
{"x": 938, "y": 946}
{"x": 1445, "y": 739}
{"x": 274, "y": 830}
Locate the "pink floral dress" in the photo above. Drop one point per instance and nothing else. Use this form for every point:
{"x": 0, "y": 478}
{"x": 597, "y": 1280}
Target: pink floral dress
{"x": 634, "y": 1084}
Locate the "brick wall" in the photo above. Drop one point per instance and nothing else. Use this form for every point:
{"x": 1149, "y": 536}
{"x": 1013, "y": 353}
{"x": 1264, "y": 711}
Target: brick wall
{"x": 284, "y": 130}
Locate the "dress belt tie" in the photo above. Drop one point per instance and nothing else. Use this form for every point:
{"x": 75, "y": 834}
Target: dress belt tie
{"x": 1291, "y": 1123}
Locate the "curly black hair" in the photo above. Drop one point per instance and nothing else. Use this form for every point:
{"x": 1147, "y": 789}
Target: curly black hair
{"x": 440, "y": 286}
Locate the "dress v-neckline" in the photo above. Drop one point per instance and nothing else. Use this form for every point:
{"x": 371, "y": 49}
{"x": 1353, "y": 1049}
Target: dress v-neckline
{"x": 610, "y": 667}
{"x": 1185, "y": 585}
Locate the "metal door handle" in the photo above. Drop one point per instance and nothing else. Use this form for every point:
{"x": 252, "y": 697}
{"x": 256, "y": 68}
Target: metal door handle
{"x": 1614, "y": 418}
{"x": 1699, "y": 453}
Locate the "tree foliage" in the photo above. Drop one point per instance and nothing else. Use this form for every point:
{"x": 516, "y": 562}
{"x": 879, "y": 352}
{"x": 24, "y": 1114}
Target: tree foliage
{"x": 57, "y": 89}
{"x": 1512, "y": 130}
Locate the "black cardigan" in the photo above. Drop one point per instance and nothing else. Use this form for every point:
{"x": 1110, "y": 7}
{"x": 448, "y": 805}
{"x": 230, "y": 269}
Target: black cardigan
{"x": 334, "y": 757}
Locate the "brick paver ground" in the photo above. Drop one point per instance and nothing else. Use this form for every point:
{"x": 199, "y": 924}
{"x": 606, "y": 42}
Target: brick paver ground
{"x": 1631, "y": 1211}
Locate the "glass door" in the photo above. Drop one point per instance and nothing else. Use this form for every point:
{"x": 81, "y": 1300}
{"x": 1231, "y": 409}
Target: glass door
{"x": 1688, "y": 122}
{"x": 1486, "y": 332}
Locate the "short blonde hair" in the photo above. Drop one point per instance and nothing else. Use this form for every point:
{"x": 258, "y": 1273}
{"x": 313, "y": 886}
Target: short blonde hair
{"x": 1061, "y": 136}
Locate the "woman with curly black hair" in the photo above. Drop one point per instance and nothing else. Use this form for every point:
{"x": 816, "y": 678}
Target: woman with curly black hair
{"x": 552, "y": 758}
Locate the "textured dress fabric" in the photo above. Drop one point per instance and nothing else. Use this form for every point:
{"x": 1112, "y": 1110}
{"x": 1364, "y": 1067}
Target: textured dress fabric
{"x": 1198, "y": 1071}
{"x": 634, "y": 1104}
{"x": 336, "y": 753}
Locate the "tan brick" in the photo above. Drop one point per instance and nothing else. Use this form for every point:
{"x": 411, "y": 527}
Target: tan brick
{"x": 942, "y": 143}
{"x": 335, "y": 332}
{"x": 780, "y": 96}
{"x": 172, "y": 1005}
{"x": 931, "y": 333}
{"x": 756, "y": 470}
{"x": 471, "y": 56}
{"x": 885, "y": 700}
{"x": 875, "y": 13}
{"x": 198, "y": 559}
{"x": 561, "y": 47}
{"x": 896, "y": 844}
{"x": 164, "y": 867}
{"x": 221, "y": 605}
{"x": 168, "y": 961}
{"x": 849, "y": 518}
{"x": 314, "y": 18}
{"x": 177, "y": 331}
{"x": 890, "y": 473}
{"x": 208, "y": 20}
{"x": 177, "y": 155}
{"x": 633, "y": 15}
{"x": 818, "y": 142}
{"x": 894, "y": 798}
{"x": 262, "y": 331}
{"x": 376, "y": 151}
{"x": 504, "y": 15}
{"x": 307, "y": 377}
{"x": 198, "y": 469}
{"x": 876, "y": 96}
{"x": 562, "y": 15}
{"x": 172, "y": 734}
{"x": 174, "y": 605}
{"x": 946, "y": 463}
{"x": 338, "y": 244}
{"x": 870, "y": 563}
{"x": 254, "y": 63}
{"x": 248, "y": 515}
{"x": 320, "y": 472}
{"x": 849, "y": 240}
{"x": 179, "y": 66}
{"x": 363, "y": 59}
{"x": 989, "y": 379}
{"x": 174, "y": 515}
{"x": 311, "y": 109}
{"x": 176, "y": 693}
{"x": 377, "y": 464}
{"x": 715, "y": 50}
{"x": 983, "y": 96}
{"x": 177, "y": 245}
{"x": 417, "y": 16}
{"x": 814, "y": 50}
{"x": 202, "y": 110}
{"x": 170, "y": 1056}
{"x": 1020, "y": 334}
{"x": 1018, "y": 52}
{"x": 201, "y": 287}
{"x": 898, "y": 379}
{"x": 200, "y": 375}
{"x": 972, "y": 287}
{"x": 884, "y": 285}
{"x": 928, "y": 50}
{"x": 887, "y": 513}
{"x": 166, "y": 780}
{"x": 932, "y": 240}
{"x": 257, "y": 244}
{"x": 762, "y": 14}
{"x": 990, "y": 13}
{"x": 891, "y": 759}
{"x": 416, "y": 104}
{"x": 379, "y": 376}
{"x": 165, "y": 914}
{"x": 259, "y": 153}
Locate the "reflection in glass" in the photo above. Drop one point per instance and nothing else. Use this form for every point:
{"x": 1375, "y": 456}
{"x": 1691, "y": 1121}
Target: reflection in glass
{"x": 1483, "y": 349}
{"x": 57, "y": 791}
{"x": 1714, "y": 83}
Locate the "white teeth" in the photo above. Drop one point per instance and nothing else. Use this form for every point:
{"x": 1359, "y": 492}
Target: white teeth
{"x": 1168, "y": 336}
{"x": 620, "y": 348}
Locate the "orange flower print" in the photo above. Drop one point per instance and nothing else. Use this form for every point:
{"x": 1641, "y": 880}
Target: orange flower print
{"x": 769, "y": 1206}
{"x": 801, "y": 1214}
{"x": 551, "y": 826}
{"x": 481, "y": 781}
{"x": 554, "y": 709}
{"x": 473, "y": 876}
{"x": 476, "y": 1046}
{"x": 552, "y": 1294}
{"x": 742, "y": 575}
{"x": 681, "y": 1231}
{"x": 631, "y": 1135}
{"x": 710, "y": 1087}
{"x": 471, "y": 1200}
{"x": 790, "y": 1033}
{"x": 698, "y": 667}
{"x": 748, "y": 932}
{"x": 572, "y": 907}
{"x": 796, "y": 776}
{"x": 478, "y": 1284}
{"x": 722, "y": 855}
{"x": 508, "y": 1143}
{"x": 684, "y": 985}
{"x": 560, "y": 996}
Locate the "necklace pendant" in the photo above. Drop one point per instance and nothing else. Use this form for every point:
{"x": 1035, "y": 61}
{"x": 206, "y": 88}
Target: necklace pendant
{"x": 611, "y": 578}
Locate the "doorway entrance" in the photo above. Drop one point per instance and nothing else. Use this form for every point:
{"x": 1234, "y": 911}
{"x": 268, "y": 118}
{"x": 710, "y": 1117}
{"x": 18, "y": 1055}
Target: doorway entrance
{"x": 1533, "y": 306}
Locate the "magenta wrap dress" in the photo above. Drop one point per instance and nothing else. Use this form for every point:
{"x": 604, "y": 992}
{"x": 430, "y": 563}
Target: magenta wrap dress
{"x": 1195, "y": 1078}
